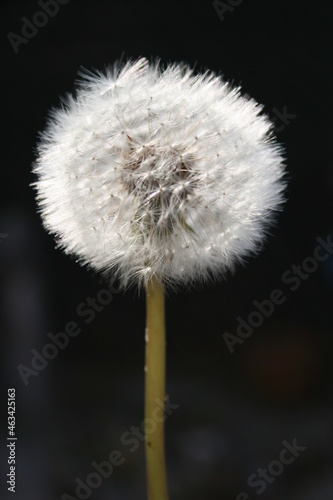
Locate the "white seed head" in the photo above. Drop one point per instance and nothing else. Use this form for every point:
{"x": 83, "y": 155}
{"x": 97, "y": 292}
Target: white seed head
{"x": 166, "y": 174}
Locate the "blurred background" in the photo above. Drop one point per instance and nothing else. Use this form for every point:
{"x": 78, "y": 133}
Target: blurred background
{"x": 239, "y": 402}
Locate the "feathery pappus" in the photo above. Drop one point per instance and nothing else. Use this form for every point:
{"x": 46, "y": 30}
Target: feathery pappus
{"x": 158, "y": 173}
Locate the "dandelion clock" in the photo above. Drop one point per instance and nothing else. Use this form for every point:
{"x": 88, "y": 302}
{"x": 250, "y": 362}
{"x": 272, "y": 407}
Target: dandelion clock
{"x": 158, "y": 178}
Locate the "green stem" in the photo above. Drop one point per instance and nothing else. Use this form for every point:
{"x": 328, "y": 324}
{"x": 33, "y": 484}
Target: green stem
{"x": 155, "y": 392}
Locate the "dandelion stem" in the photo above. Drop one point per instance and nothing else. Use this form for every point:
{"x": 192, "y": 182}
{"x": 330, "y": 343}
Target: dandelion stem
{"x": 155, "y": 392}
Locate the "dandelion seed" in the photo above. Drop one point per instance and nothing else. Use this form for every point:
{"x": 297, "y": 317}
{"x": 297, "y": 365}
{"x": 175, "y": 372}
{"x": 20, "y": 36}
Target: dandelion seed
{"x": 167, "y": 145}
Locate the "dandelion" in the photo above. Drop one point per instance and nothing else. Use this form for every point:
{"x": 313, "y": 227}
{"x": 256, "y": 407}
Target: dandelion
{"x": 159, "y": 178}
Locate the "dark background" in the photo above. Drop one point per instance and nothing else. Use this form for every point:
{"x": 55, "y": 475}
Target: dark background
{"x": 235, "y": 410}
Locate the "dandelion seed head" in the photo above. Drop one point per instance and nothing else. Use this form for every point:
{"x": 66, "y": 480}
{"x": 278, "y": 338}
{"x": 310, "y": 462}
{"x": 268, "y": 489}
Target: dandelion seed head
{"x": 149, "y": 173}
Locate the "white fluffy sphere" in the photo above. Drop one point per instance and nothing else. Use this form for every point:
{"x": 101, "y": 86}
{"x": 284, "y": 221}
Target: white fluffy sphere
{"x": 148, "y": 173}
